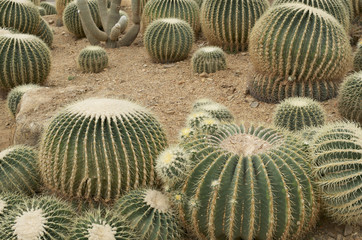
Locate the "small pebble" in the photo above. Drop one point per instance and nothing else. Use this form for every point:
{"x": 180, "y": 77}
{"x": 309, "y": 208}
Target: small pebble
{"x": 347, "y": 230}
{"x": 254, "y": 104}
{"x": 204, "y": 75}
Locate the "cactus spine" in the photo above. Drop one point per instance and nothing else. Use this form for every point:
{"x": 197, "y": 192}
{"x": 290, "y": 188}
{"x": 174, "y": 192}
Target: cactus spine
{"x": 8, "y": 201}
{"x": 49, "y": 8}
{"x": 168, "y": 40}
{"x": 92, "y": 59}
{"x": 45, "y": 33}
{"x": 209, "y": 60}
{"x": 357, "y": 63}
{"x": 15, "y": 96}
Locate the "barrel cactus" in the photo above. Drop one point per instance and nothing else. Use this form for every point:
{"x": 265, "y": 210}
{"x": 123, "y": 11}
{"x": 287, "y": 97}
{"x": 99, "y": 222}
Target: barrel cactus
{"x": 97, "y": 149}
{"x": 186, "y": 10}
{"x": 35, "y": 2}
{"x": 92, "y": 59}
{"x": 350, "y": 98}
{"x": 8, "y": 201}
{"x": 295, "y": 114}
{"x": 209, "y": 60}
{"x": 228, "y": 23}
{"x": 194, "y": 119}
{"x": 337, "y": 151}
{"x": 49, "y": 8}
{"x": 15, "y": 96}
{"x": 349, "y": 8}
{"x": 216, "y": 110}
{"x": 168, "y": 40}
{"x": 24, "y": 59}
{"x": 45, "y": 33}
{"x": 248, "y": 183}
{"x": 201, "y": 102}
{"x": 357, "y": 63}
{"x": 150, "y": 213}
{"x": 60, "y": 5}
{"x": 357, "y": 7}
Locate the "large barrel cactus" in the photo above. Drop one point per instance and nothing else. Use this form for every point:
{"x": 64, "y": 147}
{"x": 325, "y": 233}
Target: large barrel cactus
{"x": 228, "y": 23}
{"x": 97, "y": 149}
{"x": 23, "y": 59}
{"x": 248, "y": 183}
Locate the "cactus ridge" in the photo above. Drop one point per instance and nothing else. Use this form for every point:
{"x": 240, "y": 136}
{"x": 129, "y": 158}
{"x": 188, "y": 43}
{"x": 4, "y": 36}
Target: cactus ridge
{"x": 92, "y": 59}
{"x": 209, "y": 60}
{"x": 45, "y": 33}
{"x": 8, "y": 201}
{"x": 42, "y": 11}
{"x": 15, "y": 95}
{"x": 49, "y": 8}
{"x": 357, "y": 7}
{"x": 357, "y": 63}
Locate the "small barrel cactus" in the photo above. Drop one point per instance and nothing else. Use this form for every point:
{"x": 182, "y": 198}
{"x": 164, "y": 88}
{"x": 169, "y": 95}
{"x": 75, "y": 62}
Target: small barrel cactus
{"x": 8, "y": 201}
{"x": 186, "y": 10}
{"x": 15, "y": 96}
{"x": 201, "y": 102}
{"x": 217, "y": 111}
{"x": 228, "y": 23}
{"x": 39, "y": 218}
{"x": 357, "y": 63}
{"x": 97, "y": 149}
{"x": 168, "y": 40}
{"x": 49, "y": 8}
{"x": 337, "y": 160}
{"x": 42, "y": 11}
{"x": 45, "y": 33}
{"x": 297, "y": 113}
{"x": 248, "y": 183}
{"x": 194, "y": 119}
{"x": 350, "y": 98}
{"x": 209, "y": 60}
{"x": 60, "y": 5}
{"x": 24, "y": 59}
{"x": 150, "y": 213}
{"x": 186, "y": 133}
{"x": 92, "y": 59}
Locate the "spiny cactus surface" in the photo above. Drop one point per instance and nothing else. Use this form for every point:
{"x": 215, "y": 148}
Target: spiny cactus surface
{"x": 8, "y": 201}
{"x": 92, "y": 59}
{"x": 15, "y": 95}
{"x": 49, "y": 8}
{"x": 357, "y": 63}
{"x": 45, "y": 33}
{"x": 357, "y": 7}
{"x": 216, "y": 110}
{"x": 42, "y": 11}
{"x": 209, "y": 60}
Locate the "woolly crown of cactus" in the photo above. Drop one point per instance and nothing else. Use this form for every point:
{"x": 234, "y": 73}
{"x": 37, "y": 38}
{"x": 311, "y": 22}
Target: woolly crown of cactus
{"x": 209, "y": 60}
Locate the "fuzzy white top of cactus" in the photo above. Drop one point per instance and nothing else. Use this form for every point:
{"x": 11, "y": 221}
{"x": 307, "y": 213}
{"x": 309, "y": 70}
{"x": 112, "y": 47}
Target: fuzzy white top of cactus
{"x": 101, "y": 232}
{"x": 157, "y": 200}
{"x": 2, "y": 206}
{"x": 6, "y": 152}
{"x": 30, "y": 225}
{"x": 210, "y": 49}
{"x": 299, "y": 101}
{"x": 172, "y": 20}
{"x": 20, "y": 36}
{"x": 93, "y": 48}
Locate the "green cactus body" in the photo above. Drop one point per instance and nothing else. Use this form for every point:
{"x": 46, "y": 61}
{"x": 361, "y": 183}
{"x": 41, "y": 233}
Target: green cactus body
{"x": 168, "y": 40}
{"x": 209, "y": 60}
{"x": 12, "y": 15}
{"x": 228, "y": 23}
{"x": 149, "y": 212}
{"x": 338, "y": 170}
{"x": 35, "y": 2}
{"x": 8, "y": 201}
{"x": 44, "y": 218}
{"x": 194, "y": 119}
{"x": 42, "y": 11}
{"x": 295, "y": 114}
{"x": 199, "y": 2}
{"x": 71, "y": 18}
{"x": 45, "y": 33}
{"x": 357, "y": 63}
{"x": 275, "y": 89}
{"x": 97, "y": 149}
{"x": 186, "y": 133}
{"x": 49, "y": 8}
{"x": 350, "y": 98}
{"x": 216, "y": 110}
{"x": 186, "y": 10}
{"x": 15, "y": 96}
{"x": 300, "y": 43}
{"x": 357, "y": 7}
{"x": 334, "y": 7}
{"x": 248, "y": 183}
{"x": 142, "y": 5}
{"x": 349, "y": 8}
{"x": 101, "y": 225}
{"x": 92, "y": 59}
{"x": 24, "y": 59}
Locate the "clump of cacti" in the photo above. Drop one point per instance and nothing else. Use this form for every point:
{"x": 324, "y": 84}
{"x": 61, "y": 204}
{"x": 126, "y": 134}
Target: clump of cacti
{"x": 92, "y": 59}
{"x": 215, "y": 110}
{"x": 60, "y": 5}
{"x": 228, "y": 23}
{"x": 209, "y": 60}
{"x": 297, "y": 113}
{"x": 24, "y": 59}
{"x": 15, "y": 96}
{"x": 248, "y": 183}
{"x": 8, "y": 201}
{"x": 150, "y": 213}
{"x": 337, "y": 160}
{"x": 350, "y": 98}
{"x": 45, "y": 33}
{"x": 49, "y": 8}
{"x": 168, "y": 40}
{"x": 357, "y": 63}
{"x": 98, "y": 149}
{"x": 186, "y": 10}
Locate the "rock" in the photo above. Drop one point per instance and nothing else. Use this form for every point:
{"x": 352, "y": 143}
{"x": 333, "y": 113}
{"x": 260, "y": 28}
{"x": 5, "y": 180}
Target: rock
{"x": 51, "y": 21}
{"x": 254, "y": 104}
{"x": 168, "y": 65}
{"x": 339, "y": 237}
{"x": 204, "y": 75}
{"x": 347, "y": 230}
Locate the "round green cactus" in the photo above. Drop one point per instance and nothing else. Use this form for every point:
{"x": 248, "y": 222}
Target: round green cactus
{"x": 71, "y": 18}
{"x": 44, "y": 218}
{"x": 248, "y": 183}
{"x": 209, "y": 60}
{"x": 49, "y": 8}
{"x": 92, "y": 59}
{"x": 216, "y": 110}
{"x": 8, "y": 201}
{"x": 201, "y": 102}
{"x": 60, "y": 5}
{"x": 338, "y": 170}
{"x": 186, "y": 10}
{"x": 23, "y": 59}
{"x": 45, "y": 33}
{"x": 297, "y": 113}
{"x": 350, "y": 98}
{"x": 101, "y": 225}
{"x": 97, "y": 149}
{"x": 168, "y": 40}
{"x": 357, "y": 63}
{"x": 186, "y": 133}
{"x": 42, "y": 11}
{"x": 194, "y": 119}
{"x": 228, "y": 23}
{"x": 15, "y": 96}
{"x": 12, "y": 15}
{"x": 150, "y": 213}
{"x": 299, "y": 43}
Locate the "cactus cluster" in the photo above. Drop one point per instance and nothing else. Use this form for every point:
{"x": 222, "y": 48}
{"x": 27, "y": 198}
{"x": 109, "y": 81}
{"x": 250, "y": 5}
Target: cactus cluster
{"x": 92, "y": 59}
{"x": 49, "y": 8}
{"x": 168, "y": 40}
{"x": 45, "y": 33}
{"x": 357, "y": 63}
{"x": 15, "y": 96}
{"x": 209, "y": 60}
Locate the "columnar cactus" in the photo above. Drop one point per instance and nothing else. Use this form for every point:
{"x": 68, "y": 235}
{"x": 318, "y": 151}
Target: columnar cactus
{"x": 60, "y": 5}
{"x": 228, "y": 23}
{"x": 49, "y": 8}
{"x": 248, "y": 183}
{"x": 209, "y": 60}
{"x": 18, "y": 170}
{"x": 186, "y": 10}
{"x": 8, "y": 201}
{"x": 338, "y": 170}
{"x": 357, "y": 63}
{"x": 168, "y": 40}
{"x": 150, "y": 213}
{"x": 92, "y": 59}
{"x": 45, "y": 33}
{"x": 350, "y": 98}
{"x": 23, "y": 59}
{"x": 297, "y": 113}
{"x": 97, "y": 149}
{"x": 15, "y": 96}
